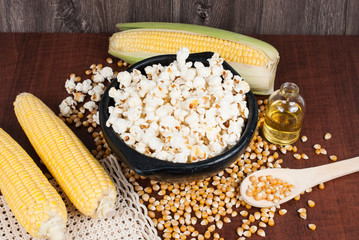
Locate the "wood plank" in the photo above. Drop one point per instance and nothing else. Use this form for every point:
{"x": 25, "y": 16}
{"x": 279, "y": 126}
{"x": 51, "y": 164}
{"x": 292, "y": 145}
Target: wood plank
{"x": 352, "y": 18}
{"x": 27, "y": 16}
{"x": 322, "y": 17}
{"x": 238, "y": 16}
{"x": 303, "y": 17}
{"x": 152, "y": 11}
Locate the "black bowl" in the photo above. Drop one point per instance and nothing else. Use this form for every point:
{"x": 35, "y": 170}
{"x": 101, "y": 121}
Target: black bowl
{"x": 168, "y": 171}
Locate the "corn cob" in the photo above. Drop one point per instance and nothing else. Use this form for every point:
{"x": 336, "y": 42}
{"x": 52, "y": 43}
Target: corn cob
{"x": 256, "y": 61}
{"x": 34, "y": 202}
{"x": 79, "y": 174}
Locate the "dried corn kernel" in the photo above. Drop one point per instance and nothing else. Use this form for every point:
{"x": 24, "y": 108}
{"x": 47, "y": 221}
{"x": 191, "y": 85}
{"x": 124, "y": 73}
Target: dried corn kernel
{"x": 109, "y": 60}
{"x": 317, "y": 146}
{"x": 304, "y": 138}
{"x": 304, "y": 156}
{"x": 301, "y": 210}
{"x": 271, "y": 222}
{"x": 333, "y": 158}
{"x": 312, "y": 226}
{"x": 261, "y": 233}
{"x": 311, "y": 203}
{"x": 327, "y": 136}
{"x": 240, "y": 231}
{"x": 282, "y": 212}
{"x": 323, "y": 151}
{"x": 303, "y": 215}
{"x": 247, "y": 234}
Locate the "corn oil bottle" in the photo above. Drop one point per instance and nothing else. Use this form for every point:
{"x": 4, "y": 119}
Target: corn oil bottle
{"x": 284, "y": 115}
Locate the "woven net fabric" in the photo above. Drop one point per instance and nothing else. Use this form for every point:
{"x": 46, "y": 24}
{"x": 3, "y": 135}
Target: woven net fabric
{"x": 129, "y": 222}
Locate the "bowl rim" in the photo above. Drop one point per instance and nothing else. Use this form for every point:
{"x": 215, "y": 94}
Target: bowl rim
{"x": 131, "y": 156}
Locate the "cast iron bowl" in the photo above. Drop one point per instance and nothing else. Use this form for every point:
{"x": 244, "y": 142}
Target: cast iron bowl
{"x": 168, "y": 171}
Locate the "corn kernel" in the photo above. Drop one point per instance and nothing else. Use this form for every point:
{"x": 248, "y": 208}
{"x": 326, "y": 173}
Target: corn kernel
{"x": 304, "y": 138}
{"x": 327, "y": 136}
{"x": 262, "y": 225}
{"x": 247, "y": 234}
{"x": 323, "y": 151}
{"x": 271, "y": 222}
{"x": 244, "y": 213}
{"x": 312, "y": 226}
{"x": 304, "y": 156}
{"x": 333, "y": 158}
{"x": 261, "y": 233}
{"x": 282, "y": 212}
{"x": 311, "y": 203}
{"x": 240, "y": 231}
{"x": 303, "y": 215}
{"x": 317, "y": 146}
{"x": 253, "y": 229}
{"x": 301, "y": 210}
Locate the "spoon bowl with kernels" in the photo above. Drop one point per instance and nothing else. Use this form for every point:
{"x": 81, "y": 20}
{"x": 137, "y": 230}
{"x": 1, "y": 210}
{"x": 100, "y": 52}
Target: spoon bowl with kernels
{"x": 275, "y": 186}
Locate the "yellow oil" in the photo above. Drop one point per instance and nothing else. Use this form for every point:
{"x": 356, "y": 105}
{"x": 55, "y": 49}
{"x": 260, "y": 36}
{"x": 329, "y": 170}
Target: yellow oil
{"x": 283, "y": 122}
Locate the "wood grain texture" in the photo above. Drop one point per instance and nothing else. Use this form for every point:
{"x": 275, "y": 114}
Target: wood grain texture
{"x": 352, "y": 18}
{"x": 335, "y": 17}
{"x": 326, "y": 68}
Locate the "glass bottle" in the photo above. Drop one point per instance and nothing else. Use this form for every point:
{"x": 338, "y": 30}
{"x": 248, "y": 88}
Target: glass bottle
{"x": 284, "y": 115}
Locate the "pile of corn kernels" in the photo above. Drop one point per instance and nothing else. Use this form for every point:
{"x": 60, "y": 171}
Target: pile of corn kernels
{"x": 200, "y": 209}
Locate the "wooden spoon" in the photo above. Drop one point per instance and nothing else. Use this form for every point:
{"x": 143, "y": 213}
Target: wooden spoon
{"x": 302, "y": 179}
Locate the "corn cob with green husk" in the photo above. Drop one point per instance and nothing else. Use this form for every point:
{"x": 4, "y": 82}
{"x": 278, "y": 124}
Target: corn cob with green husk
{"x": 256, "y": 61}
{"x": 34, "y": 202}
{"x": 78, "y": 173}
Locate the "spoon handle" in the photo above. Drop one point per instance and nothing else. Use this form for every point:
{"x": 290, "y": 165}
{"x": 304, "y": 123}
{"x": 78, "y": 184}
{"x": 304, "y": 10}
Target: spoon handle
{"x": 331, "y": 171}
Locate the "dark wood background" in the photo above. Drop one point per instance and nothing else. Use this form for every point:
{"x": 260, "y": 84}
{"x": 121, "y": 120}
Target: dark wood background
{"x": 323, "y": 17}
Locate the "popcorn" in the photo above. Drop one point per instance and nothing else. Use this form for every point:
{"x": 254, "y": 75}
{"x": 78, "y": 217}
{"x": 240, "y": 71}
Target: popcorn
{"x": 168, "y": 122}
{"x": 98, "y": 78}
{"x": 90, "y": 105}
{"x": 86, "y": 86}
{"x": 96, "y": 118}
{"x": 133, "y": 114}
{"x": 107, "y": 73}
{"x": 96, "y": 92}
{"x": 183, "y": 112}
{"x": 128, "y": 138}
{"x": 70, "y": 85}
{"x": 120, "y": 125}
{"x": 79, "y": 97}
{"x": 156, "y": 144}
{"x": 124, "y": 78}
{"x": 189, "y": 74}
{"x": 66, "y": 106}
{"x": 199, "y": 83}
{"x": 182, "y": 55}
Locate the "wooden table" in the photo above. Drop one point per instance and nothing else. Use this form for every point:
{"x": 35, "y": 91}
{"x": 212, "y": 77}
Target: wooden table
{"x": 326, "y": 69}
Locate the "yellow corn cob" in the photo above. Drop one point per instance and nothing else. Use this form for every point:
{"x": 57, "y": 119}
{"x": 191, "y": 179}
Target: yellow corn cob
{"x": 34, "y": 202}
{"x": 164, "y": 41}
{"x": 256, "y": 61}
{"x": 79, "y": 174}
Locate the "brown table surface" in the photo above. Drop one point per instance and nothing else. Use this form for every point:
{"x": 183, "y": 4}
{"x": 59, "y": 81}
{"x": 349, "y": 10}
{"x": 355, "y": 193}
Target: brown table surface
{"x": 326, "y": 69}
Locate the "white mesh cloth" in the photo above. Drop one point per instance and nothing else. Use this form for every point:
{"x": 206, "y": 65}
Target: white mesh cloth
{"x": 130, "y": 221}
